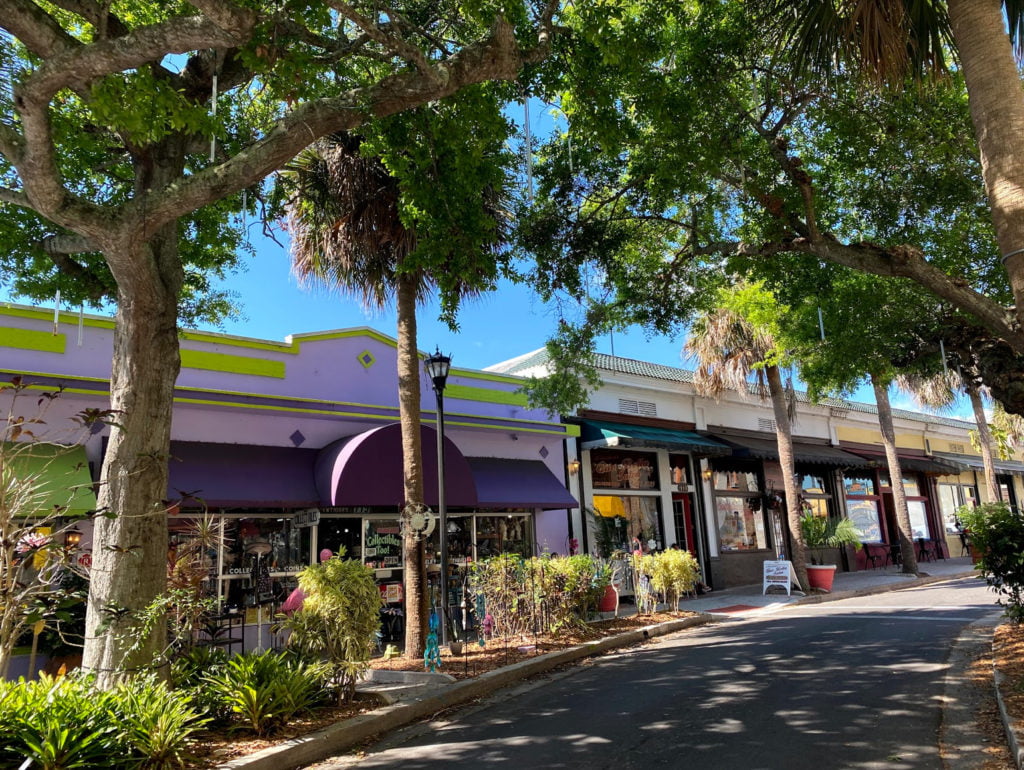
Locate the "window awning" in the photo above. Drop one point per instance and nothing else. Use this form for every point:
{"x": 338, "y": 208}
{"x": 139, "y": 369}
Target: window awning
{"x": 975, "y": 463}
{"x": 367, "y": 470}
{"x": 241, "y": 476}
{"x": 803, "y": 452}
{"x": 504, "y": 483}
{"x": 915, "y": 463}
{"x": 58, "y": 476}
{"x": 599, "y": 435}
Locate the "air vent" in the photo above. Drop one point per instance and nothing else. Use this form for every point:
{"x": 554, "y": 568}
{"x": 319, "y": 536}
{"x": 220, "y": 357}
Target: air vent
{"x": 763, "y": 423}
{"x": 626, "y": 406}
{"x": 839, "y": 412}
{"x": 957, "y": 448}
{"x": 648, "y": 408}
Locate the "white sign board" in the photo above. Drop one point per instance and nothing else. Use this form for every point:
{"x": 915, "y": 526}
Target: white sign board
{"x": 306, "y": 518}
{"x": 781, "y": 574}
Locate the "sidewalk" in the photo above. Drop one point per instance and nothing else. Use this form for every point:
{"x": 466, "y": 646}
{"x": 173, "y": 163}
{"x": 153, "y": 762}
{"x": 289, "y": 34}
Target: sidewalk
{"x": 416, "y": 695}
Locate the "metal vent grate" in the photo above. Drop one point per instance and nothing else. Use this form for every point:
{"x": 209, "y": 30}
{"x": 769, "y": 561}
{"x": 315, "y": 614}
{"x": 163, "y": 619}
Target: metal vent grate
{"x": 648, "y": 408}
{"x": 763, "y": 423}
{"x": 628, "y": 406}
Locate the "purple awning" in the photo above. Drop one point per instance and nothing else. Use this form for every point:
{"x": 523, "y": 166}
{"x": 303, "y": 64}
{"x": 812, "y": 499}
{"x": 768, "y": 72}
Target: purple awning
{"x": 502, "y": 483}
{"x": 367, "y": 469}
{"x": 241, "y": 476}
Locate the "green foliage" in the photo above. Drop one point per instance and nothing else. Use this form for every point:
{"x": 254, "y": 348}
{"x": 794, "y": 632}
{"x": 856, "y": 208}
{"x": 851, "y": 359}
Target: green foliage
{"x": 821, "y": 532}
{"x": 997, "y": 538}
{"x": 65, "y": 723}
{"x": 539, "y": 595}
{"x": 263, "y": 690}
{"x": 673, "y": 573}
{"x": 339, "y": 619}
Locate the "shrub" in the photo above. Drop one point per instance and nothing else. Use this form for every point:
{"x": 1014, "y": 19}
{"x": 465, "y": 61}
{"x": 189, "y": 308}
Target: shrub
{"x": 339, "y": 619}
{"x": 673, "y": 573}
{"x": 997, "y": 537}
{"x": 543, "y": 594}
{"x": 263, "y": 690}
{"x": 156, "y": 724}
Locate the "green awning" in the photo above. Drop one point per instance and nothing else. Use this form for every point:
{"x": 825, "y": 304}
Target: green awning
{"x": 59, "y": 476}
{"x": 975, "y": 463}
{"x": 598, "y": 435}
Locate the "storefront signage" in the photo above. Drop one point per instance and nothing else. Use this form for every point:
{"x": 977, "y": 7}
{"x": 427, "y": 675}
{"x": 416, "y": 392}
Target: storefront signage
{"x": 780, "y": 574}
{"x": 382, "y": 546}
{"x": 307, "y": 518}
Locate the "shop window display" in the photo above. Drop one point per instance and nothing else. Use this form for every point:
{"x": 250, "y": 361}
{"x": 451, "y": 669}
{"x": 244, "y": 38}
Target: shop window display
{"x": 740, "y": 523}
{"x": 634, "y": 518}
{"x": 382, "y": 544}
{"x": 496, "y": 535}
{"x": 261, "y": 557}
{"x": 623, "y": 470}
{"x": 334, "y": 534}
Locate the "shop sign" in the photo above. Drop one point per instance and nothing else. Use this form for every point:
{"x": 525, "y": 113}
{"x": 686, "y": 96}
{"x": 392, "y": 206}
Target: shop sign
{"x": 307, "y": 518}
{"x": 391, "y": 593}
{"x": 781, "y": 574}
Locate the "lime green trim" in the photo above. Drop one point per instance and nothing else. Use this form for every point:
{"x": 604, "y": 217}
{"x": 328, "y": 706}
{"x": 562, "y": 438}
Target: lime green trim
{"x": 487, "y": 395}
{"x": 32, "y": 339}
{"x": 47, "y": 315}
{"x": 222, "y": 362}
{"x": 489, "y": 376}
{"x": 362, "y": 359}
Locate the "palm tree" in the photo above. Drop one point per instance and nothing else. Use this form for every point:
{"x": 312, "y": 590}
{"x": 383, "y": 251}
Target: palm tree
{"x": 899, "y": 496}
{"x": 347, "y": 235}
{"x": 886, "y": 39}
{"x": 729, "y": 349}
{"x": 939, "y": 391}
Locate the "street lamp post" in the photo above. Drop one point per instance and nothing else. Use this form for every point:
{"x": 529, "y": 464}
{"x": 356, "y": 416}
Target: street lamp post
{"x": 438, "y": 365}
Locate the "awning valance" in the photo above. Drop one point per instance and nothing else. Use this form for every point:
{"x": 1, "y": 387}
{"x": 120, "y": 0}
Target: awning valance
{"x": 241, "y": 476}
{"x": 803, "y": 452}
{"x": 596, "y": 435}
{"x": 367, "y": 470}
{"x": 914, "y": 463}
{"x": 975, "y": 463}
{"x": 58, "y": 478}
{"x": 504, "y": 483}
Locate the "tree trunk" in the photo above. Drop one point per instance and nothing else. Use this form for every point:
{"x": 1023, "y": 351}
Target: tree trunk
{"x": 409, "y": 406}
{"x": 990, "y": 489}
{"x": 997, "y": 112}
{"x": 899, "y": 496}
{"x": 784, "y": 436}
{"x": 129, "y": 567}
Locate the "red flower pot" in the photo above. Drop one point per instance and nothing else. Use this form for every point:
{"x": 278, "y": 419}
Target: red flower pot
{"x": 821, "y": 576}
{"x": 609, "y": 599}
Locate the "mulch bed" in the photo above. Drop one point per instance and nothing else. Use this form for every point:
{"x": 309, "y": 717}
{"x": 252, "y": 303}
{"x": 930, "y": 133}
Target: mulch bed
{"x": 1008, "y": 656}
{"x": 215, "y": 748}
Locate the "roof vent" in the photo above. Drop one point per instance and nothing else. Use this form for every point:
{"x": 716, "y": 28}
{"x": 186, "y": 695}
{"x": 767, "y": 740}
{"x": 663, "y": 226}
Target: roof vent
{"x": 648, "y": 408}
{"x": 628, "y": 406}
{"x": 763, "y": 423}
{"x": 956, "y": 448}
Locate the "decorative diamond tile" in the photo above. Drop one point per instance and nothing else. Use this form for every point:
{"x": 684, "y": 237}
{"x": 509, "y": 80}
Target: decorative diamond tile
{"x": 544, "y": 452}
{"x": 366, "y": 359}
{"x": 297, "y": 438}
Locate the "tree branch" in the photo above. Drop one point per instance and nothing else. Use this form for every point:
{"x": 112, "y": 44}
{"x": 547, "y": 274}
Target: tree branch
{"x": 14, "y": 197}
{"x": 388, "y": 40}
{"x": 495, "y": 57}
{"x": 39, "y": 33}
{"x": 68, "y": 243}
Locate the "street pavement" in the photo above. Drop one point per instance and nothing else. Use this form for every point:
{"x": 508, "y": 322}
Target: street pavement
{"x": 859, "y": 683}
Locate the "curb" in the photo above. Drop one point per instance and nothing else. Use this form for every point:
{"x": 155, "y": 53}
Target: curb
{"x": 881, "y": 589}
{"x": 340, "y": 736}
{"x": 1013, "y": 735}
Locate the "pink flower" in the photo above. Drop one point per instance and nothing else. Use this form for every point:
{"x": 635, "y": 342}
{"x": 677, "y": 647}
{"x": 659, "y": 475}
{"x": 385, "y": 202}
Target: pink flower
{"x": 32, "y": 541}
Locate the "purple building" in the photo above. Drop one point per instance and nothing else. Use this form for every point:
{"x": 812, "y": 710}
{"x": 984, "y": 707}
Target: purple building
{"x": 295, "y": 447}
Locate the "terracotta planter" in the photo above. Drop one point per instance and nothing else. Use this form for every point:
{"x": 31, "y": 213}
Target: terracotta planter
{"x": 609, "y": 600}
{"x": 821, "y": 576}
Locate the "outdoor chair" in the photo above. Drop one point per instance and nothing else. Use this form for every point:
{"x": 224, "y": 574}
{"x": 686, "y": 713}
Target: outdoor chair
{"x": 873, "y": 554}
{"x": 895, "y": 556}
{"x": 925, "y": 550}
{"x": 965, "y": 544}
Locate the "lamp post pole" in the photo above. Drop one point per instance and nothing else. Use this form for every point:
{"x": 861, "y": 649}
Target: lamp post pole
{"x": 438, "y": 366}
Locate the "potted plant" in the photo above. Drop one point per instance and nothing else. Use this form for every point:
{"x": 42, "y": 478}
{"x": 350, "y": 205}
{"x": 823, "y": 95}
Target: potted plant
{"x": 820, "y": 534}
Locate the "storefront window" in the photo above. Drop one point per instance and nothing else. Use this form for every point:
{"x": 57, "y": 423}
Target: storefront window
{"x": 496, "y": 535}
{"x": 740, "y": 524}
{"x": 382, "y": 544}
{"x": 918, "y": 518}
{"x": 859, "y": 485}
{"x": 284, "y": 548}
{"x": 864, "y": 515}
{"x": 738, "y": 481}
{"x": 911, "y": 485}
{"x": 334, "y": 534}
{"x": 624, "y": 470}
{"x": 812, "y": 484}
{"x": 951, "y": 497}
{"x": 634, "y": 518}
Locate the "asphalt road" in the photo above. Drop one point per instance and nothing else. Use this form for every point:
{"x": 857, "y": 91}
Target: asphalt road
{"x": 848, "y": 684}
